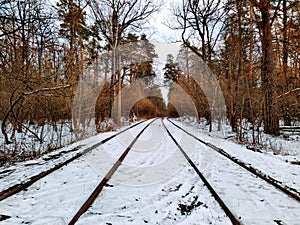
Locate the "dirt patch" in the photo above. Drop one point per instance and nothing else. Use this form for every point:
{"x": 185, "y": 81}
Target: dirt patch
{"x": 187, "y": 208}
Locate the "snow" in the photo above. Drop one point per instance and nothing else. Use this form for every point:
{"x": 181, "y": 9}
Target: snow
{"x": 54, "y": 135}
{"x": 276, "y": 166}
{"x": 21, "y": 172}
{"x": 154, "y": 184}
{"x": 253, "y": 207}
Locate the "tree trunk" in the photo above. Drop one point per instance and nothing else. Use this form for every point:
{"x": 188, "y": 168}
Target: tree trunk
{"x": 285, "y": 56}
{"x": 271, "y": 121}
{"x": 119, "y": 108}
{"x": 250, "y": 75}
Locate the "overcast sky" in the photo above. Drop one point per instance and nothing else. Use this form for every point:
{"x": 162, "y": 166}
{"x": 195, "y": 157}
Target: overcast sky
{"x": 159, "y": 31}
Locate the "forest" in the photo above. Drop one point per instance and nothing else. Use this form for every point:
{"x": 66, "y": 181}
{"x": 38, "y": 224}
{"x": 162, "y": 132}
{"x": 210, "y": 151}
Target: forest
{"x": 59, "y": 58}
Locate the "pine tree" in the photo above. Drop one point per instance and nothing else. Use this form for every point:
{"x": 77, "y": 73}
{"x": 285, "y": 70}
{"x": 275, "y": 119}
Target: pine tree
{"x": 73, "y": 28}
{"x": 171, "y": 69}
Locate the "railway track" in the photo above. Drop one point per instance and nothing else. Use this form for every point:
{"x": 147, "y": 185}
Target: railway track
{"x": 88, "y": 203}
{"x": 24, "y": 185}
{"x": 232, "y": 215}
{"x": 225, "y": 208}
{"x": 107, "y": 177}
{"x": 290, "y": 192}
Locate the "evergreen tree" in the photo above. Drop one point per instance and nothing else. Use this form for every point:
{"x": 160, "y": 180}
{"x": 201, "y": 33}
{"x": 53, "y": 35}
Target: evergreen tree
{"x": 73, "y": 29}
{"x": 171, "y": 69}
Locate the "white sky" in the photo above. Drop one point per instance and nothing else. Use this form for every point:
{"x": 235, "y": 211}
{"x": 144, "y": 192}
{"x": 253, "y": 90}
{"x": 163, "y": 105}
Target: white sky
{"x": 159, "y": 31}
{"x": 156, "y": 29}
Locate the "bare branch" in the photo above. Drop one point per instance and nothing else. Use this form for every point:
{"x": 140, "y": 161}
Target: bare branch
{"x": 116, "y": 17}
{"x": 205, "y": 20}
{"x": 45, "y": 89}
{"x": 289, "y": 92}
{"x": 16, "y": 101}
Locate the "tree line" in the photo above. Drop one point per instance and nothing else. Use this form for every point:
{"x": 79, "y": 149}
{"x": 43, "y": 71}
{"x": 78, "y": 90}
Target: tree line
{"x": 252, "y": 46}
{"x": 46, "y": 50}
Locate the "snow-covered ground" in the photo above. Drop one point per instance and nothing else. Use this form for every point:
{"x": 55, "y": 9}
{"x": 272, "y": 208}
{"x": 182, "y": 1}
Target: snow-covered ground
{"x": 26, "y": 144}
{"x": 154, "y": 184}
{"x": 253, "y": 200}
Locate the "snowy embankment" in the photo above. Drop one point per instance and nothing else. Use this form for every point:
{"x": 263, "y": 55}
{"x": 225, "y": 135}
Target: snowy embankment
{"x": 35, "y": 141}
{"x": 20, "y": 172}
{"x": 154, "y": 185}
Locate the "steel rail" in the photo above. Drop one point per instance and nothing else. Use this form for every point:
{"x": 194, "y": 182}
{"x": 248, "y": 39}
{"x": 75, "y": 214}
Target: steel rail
{"x": 107, "y": 177}
{"x": 227, "y": 211}
{"x": 23, "y": 186}
{"x": 291, "y": 192}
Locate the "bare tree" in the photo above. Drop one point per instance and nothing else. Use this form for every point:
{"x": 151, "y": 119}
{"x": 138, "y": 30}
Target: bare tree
{"x": 28, "y": 67}
{"x": 114, "y": 19}
{"x": 201, "y": 23}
